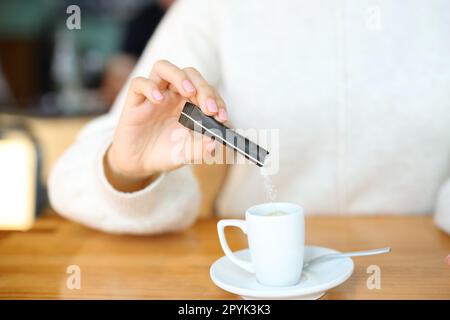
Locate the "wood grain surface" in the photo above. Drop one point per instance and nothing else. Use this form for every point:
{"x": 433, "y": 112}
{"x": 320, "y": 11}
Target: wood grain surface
{"x": 33, "y": 264}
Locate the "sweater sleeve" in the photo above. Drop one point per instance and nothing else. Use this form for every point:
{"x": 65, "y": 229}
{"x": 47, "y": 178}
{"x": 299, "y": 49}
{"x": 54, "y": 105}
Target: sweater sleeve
{"x": 78, "y": 188}
{"x": 442, "y": 211}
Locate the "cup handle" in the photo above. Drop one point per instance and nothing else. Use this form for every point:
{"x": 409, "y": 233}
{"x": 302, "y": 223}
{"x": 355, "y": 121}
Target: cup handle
{"x": 248, "y": 266}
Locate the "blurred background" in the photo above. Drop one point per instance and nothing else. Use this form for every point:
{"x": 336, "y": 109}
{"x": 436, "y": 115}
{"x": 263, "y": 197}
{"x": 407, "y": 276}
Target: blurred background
{"x": 54, "y": 80}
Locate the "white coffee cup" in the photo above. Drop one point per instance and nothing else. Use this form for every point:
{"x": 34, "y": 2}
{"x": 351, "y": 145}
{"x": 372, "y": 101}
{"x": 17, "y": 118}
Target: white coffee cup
{"x": 276, "y": 243}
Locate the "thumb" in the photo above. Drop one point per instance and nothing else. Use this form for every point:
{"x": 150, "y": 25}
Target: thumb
{"x": 199, "y": 148}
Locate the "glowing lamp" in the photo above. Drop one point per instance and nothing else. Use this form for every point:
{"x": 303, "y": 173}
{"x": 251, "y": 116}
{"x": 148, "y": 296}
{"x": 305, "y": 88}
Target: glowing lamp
{"x": 19, "y": 179}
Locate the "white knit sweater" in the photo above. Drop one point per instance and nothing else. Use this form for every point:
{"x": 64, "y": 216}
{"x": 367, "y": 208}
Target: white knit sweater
{"x": 359, "y": 89}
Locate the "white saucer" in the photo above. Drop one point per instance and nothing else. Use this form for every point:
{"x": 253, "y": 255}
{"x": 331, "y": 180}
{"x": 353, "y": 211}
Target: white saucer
{"x": 316, "y": 279}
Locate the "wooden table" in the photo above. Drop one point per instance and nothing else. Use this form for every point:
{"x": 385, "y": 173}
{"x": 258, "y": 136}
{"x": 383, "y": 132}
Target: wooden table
{"x": 33, "y": 264}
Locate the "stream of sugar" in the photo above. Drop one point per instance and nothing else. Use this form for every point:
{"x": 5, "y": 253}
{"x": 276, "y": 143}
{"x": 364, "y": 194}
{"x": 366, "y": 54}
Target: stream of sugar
{"x": 271, "y": 191}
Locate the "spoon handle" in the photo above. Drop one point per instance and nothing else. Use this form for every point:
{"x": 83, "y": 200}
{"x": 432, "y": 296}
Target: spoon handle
{"x": 361, "y": 253}
{"x": 349, "y": 254}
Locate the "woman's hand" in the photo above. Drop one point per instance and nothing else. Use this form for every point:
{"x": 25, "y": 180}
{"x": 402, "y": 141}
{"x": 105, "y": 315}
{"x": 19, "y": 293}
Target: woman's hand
{"x": 145, "y": 143}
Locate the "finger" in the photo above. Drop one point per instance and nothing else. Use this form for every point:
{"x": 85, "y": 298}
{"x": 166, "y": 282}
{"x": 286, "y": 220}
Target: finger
{"x": 142, "y": 88}
{"x": 222, "y": 115}
{"x": 198, "y": 148}
{"x": 210, "y": 146}
{"x": 166, "y": 74}
{"x": 209, "y": 149}
{"x": 206, "y": 94}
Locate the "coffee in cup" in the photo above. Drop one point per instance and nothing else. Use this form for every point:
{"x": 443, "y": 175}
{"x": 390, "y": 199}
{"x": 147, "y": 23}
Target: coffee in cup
{"x": 276, "y": 214}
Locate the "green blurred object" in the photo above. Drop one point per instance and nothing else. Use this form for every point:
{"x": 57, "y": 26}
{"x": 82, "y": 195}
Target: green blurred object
{"x": 24, "y": 18}
{"x": 27, "y": 19}
{"x": 105, "y": 35}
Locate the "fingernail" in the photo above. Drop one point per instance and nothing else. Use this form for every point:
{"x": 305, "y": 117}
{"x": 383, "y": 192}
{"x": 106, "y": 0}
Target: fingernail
{"x": 187, "y": 85}
{"x": 211, "y": 105}
{"x": 156, "y": 94}
{"x": 448, "y": 260}
{"x": 223, "y": 114}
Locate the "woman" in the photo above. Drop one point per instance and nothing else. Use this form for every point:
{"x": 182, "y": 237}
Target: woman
{"x": 360, "y": 94}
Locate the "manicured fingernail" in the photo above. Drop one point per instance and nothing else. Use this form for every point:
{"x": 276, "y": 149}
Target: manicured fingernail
{"x": 187, "y": 85}
{"x": 156, "y": 94}
{"x": 223, "y": 115}
{"x": 211, "y": 105}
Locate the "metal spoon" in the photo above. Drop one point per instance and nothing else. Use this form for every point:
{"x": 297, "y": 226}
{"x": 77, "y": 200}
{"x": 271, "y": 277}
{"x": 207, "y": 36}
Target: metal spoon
{"x": 348, "y": 254}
